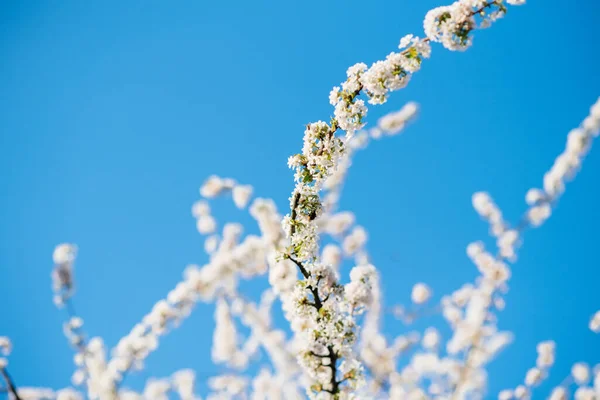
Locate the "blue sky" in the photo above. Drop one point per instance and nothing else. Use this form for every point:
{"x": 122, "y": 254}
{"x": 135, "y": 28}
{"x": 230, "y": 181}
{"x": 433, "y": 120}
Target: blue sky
{"x": 113, "y": 113}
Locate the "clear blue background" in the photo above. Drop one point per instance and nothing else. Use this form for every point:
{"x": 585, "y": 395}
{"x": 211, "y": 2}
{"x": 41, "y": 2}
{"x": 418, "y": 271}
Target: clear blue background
{"x": 113, "y": 113}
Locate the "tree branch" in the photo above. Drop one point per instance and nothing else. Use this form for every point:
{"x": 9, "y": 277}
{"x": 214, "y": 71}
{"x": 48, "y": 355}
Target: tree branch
{"x": 318, "y": 304}
{"x": 11, "y": 388}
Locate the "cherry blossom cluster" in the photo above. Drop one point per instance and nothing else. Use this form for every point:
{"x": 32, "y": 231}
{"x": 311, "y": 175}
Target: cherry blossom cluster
{"x": 322, "y": 150}
{"x": 213, "y": 187}
{"x": 535, "y": 375}
{"x": 62, "y": 275}
{"x": 452, "y": 25}
{"x": 565, "y": 167}
{"x": 585, "y": 380}
{"x": 336, "y": 347}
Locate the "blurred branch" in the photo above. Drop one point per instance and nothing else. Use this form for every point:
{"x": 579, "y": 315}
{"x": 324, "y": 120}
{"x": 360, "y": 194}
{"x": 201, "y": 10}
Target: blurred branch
{"x": 11, "y": 388}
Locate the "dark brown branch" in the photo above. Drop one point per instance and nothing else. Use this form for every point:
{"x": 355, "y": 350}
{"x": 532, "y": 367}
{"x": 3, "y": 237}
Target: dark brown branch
{"x": 318, "y": 304}
{"x": 486, "y": 5}
{"x": 334, "y": 382}
{"x": 293, "y": 216}
{"x": 11, "y": 388}
{"x": 301, "y": 267}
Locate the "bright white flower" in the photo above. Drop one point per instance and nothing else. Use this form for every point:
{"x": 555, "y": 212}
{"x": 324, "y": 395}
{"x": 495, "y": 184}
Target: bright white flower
{"x": 212, "y": 187}
{"x": 183, "y": 382}
{"x": 585, "y": 393}
{"x": 487, "y": 209}
{"x": 64, "y": 253}
{"x": 355, "y": 240}
{"x": 5, "y": 345}
{"x": 405, "y": 41}
{"x": 431, "y": 339}
{"x": 533, "y": 377}
{"x": 332, "y": 255}
{"x": 581, "y": 373}
{"x": 521, "y": 392}
{"x": 206, "y": 224}
{"x": 450, "y": 25}
{"x": 546, "y": 354}
{"x": 283, "y": 276}
{"x": 558, "y": 393}
{"x": 157, "y": 389}
{"x": 225, "y": 334}
{"x": 334, "y": 95}
{"x": 62, "y": 275}
{"x": 78, "y": 377}
{"x": 420, "y": 293}
{"x": 534, "y": 196}
{"x": 241, "y": 195}
{"x": 200, "y": 209}
{"x": 339, "y": 223}
{"x": 393, "y": 123}
{"x": 211, "y": 243}
{"x": 507, "y": 242}
{"x": 359, "y": 292}
{"x": 537, "y": 215}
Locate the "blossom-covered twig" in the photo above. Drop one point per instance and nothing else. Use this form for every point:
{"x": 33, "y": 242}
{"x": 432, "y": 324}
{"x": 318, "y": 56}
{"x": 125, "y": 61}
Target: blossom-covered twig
{"x": 321, "y": 154}
{"x": 337, "y": 349}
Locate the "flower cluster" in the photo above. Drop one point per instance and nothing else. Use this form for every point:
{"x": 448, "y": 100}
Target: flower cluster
{"x": 322, "y": 151}
{"x": 225, "y": 337}
{"x": 565, "y": 167}
{"x": 359, "y": 292}
{"x": 586, "y": 381}
{"x": 535, "y": 375}
{"x": 215, "y": 186}
{"x": 394, "y": 72}
{"x": 452, "y": 25}
{"x": 5, "y": 349}
{"x": 507, "y": 239}
{"x": 420, "y": 293}
{"x": 62, "y": 275}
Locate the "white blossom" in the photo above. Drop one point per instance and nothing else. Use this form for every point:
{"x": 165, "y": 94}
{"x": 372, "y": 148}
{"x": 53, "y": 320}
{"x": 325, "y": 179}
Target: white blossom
{"x": 200, "y": 208}
{"x": 595, "y": 322}
{"x": 581, "y": 373}
{"x": 558, "y": 393}
{"x": 420, "y": 293}
{"x": 241, "y": 195}
{"x": 206, "y": 224}
{"x": 5, "y": 345}
{"x": 212, "y": 187}
{"x": 533, "y": 377}
{"x": 585, "y": 393}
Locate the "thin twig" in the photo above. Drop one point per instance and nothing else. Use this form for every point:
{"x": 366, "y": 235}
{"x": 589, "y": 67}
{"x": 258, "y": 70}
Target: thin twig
{"x": 11, "y": 387}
